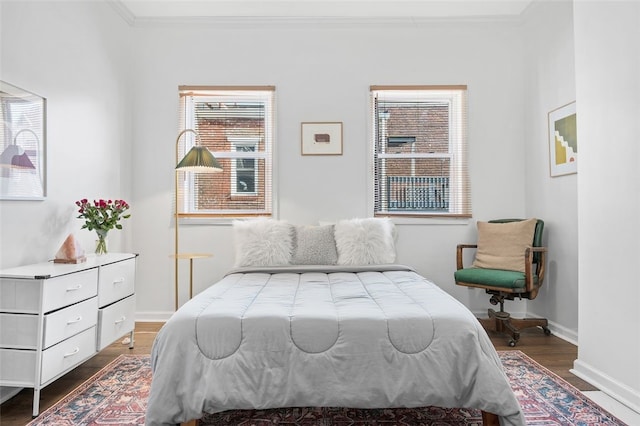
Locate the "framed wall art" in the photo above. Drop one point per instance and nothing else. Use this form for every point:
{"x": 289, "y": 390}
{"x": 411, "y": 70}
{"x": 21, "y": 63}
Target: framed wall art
{"x": 323, "y": 138}
{"x": 563, "y": 141}
{"x": 23, "y": 149}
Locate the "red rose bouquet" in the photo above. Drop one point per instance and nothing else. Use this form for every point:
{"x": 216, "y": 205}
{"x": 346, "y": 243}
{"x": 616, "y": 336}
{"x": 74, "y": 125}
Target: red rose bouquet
{"x": 102, "y": 216}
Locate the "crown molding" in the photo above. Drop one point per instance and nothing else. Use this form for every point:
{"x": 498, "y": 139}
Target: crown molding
{"x": 308, "y": 17}
{"x": 295, "y": 22}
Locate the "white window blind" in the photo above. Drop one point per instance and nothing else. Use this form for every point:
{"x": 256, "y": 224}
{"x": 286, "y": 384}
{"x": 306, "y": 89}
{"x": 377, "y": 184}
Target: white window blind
{"x": 236, "y": 125}
{"x": 420, "y": 151}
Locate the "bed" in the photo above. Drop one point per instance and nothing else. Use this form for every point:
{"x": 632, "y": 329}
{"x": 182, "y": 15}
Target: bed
{"x": 336, "y": 335}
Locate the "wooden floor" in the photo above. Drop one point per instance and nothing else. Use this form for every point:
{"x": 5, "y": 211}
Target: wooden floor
{"x": 553, "y": 353}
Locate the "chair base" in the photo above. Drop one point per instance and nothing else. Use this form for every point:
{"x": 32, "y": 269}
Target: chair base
{"x": 502, "y": 322}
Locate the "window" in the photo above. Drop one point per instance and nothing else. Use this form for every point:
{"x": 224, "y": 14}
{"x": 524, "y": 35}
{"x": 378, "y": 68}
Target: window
{"x": 419, "y": 151}
{"x": 244, "y": 171}
{"x": 236, "y": 124}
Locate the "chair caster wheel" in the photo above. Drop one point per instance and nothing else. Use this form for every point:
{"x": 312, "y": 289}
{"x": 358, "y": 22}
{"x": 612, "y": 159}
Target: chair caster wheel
{"x": 512, "y": 343}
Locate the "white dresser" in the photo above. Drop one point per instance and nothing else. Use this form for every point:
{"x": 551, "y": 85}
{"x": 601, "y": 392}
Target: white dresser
{"x": 53, "y": 317}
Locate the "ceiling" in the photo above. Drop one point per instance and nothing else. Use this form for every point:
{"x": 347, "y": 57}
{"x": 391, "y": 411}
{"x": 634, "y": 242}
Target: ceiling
{"x": 138, "y": 10}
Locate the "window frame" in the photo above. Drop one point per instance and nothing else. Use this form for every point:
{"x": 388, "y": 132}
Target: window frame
{"x": 188, "y": 213}
{"x": 459, "y": 181}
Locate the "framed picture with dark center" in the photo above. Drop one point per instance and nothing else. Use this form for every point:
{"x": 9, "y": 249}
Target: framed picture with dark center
{"x": 321, "y": 138}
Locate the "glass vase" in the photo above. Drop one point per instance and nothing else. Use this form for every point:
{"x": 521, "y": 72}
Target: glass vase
{"x": 101, "y": 242}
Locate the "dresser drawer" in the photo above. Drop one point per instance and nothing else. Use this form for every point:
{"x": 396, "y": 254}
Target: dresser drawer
{"x": 17, "y": 367}
{"x": 115, "y": 320}
{"x": 67, "y": 354}
{"x": 19, "y": 331}
{"x": 116, "y": 281}
{"x": 19, "y": 295}
{"x": 71, "y": 320}
{"x": 65, "y": 290}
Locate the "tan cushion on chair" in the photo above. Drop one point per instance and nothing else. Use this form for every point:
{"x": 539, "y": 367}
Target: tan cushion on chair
{"x": 502, "y": 245}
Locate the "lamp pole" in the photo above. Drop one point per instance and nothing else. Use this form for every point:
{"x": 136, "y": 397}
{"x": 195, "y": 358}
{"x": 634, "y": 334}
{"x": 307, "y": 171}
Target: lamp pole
{"x": 197, "y": 159}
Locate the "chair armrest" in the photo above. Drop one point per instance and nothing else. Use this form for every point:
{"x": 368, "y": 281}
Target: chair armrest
{"x": 540, "y": 268}
{"x": 459, "y": 253}
{"x": 538, "y": 249}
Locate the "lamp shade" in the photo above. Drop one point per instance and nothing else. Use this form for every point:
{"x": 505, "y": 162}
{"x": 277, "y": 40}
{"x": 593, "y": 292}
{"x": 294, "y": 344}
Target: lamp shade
{"x": 199, "y": 159}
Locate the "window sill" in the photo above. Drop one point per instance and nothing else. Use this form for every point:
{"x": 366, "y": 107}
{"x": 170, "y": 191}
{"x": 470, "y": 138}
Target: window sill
{"x": 399, "y": 220}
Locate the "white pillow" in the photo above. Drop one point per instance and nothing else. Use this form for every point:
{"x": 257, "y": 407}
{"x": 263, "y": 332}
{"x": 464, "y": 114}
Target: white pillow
{"x": 262, "y": 242}
{"x": 314, "y": 245}
{"x": 365, "y": 241}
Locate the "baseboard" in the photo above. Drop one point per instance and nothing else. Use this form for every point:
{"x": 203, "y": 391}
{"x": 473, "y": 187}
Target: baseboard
{"x": 557, "y": 330}
{"x": 560, "y": 331}
{"x": 616, "y": 390}
{"x": 563, "y": 333}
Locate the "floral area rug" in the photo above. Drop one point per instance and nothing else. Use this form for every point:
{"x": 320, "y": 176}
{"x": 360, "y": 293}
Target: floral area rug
{"x": 117, "y": 395}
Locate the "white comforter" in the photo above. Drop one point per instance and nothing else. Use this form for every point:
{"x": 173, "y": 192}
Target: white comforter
{"x": 356, "y": 337}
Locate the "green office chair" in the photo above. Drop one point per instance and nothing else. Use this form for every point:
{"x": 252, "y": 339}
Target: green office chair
{"x": 503, "y": 284}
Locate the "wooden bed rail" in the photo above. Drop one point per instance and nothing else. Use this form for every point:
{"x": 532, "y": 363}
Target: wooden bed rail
{"x": 488, "y": 419}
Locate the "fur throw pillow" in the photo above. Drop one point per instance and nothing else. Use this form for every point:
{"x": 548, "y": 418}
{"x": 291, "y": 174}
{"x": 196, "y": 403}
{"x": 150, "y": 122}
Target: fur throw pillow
{"x": 366, "y": 241}
{"x": 262, "y": 242}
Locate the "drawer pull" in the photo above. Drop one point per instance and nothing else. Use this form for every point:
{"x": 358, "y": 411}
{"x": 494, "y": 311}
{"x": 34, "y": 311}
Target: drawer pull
{"x": 118, "y": 280}
{"x": 78, "y": 287}
{"x": 72, "y": 353}
{"x": 73, "y": 321}
{"x": 120, "y": 320}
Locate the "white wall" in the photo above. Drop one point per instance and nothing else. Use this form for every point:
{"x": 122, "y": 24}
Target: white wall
{"x": 75, "y": 55}
{"x": 607, "y": 38}
{"x": 550, "y": 83}
{"x": 323, "y": 73}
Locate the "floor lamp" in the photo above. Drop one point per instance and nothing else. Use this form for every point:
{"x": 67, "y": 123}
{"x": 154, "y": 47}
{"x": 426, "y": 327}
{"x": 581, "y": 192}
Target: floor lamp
{"x": 199, "y": 160}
